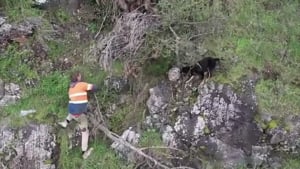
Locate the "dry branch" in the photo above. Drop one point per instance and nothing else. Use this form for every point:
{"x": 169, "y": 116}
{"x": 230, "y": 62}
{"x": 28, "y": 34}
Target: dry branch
{"x": 116, "y": 138}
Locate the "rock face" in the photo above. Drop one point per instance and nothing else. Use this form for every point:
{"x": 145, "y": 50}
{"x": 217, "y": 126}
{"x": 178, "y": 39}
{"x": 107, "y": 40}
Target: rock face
{"x": 16, "y": 32}
{"x": 9, "y": 93}
{"x": 31, "y": 147}
{"x": 219, "y": 120}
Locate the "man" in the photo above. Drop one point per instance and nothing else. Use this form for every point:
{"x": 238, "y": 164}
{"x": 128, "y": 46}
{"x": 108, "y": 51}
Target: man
{"x": 78, "y": 107}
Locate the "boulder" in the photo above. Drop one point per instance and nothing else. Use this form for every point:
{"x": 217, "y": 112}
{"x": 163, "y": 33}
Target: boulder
{"x": 157, "y": 104}
{"x": 9, "y": 93}
{"x": 131, "y": 137}
{"x": 30, "y": 147}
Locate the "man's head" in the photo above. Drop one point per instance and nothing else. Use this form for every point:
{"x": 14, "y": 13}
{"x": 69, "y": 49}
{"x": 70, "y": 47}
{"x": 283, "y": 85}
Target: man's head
{"x": 75, "y": 76}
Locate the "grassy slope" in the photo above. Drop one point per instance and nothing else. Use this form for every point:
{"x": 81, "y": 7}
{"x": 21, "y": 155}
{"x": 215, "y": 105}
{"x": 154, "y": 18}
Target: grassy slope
{"x": 49, "y": 97}
{"x": 252, "y": 33}
{"x": 257, "y": 36}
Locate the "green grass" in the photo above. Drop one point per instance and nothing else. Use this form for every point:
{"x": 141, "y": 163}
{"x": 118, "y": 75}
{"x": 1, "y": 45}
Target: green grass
{"x": 49, "y": 99}
{"x": 292, "y": 163}
{"x": 278, "y": 98}
{"x": 101, "y": 157}
{"x": 13, "y": 68}
{"x": 151, "y": 138}
{"x": 17, "y": 10}
{"x": 254, "y": 36}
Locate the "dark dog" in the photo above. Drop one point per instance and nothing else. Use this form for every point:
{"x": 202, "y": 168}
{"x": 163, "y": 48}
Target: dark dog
{"x": 201, "y": 68}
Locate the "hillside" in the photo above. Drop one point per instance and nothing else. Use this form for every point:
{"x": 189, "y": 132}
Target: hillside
{"x": 246, "y": 115}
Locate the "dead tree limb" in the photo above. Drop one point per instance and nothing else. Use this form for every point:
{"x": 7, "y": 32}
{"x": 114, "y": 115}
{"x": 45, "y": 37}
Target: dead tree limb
{"x": 116, "y": 138}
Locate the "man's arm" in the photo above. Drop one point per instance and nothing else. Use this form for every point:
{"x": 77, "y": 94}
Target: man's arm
{"x": 91, "y": 87}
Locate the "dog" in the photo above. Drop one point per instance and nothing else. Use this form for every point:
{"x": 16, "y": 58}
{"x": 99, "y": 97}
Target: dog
{"x": 202, "y": 68}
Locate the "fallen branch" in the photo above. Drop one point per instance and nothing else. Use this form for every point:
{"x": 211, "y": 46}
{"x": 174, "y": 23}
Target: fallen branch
{"x": 116, "y": 138}
{"x": 161, "y": 147}
{"x": 102, "y": 23}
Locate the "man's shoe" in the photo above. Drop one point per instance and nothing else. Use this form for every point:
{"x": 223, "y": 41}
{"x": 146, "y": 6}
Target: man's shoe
{"x": 87, "y": 153}
{"x": 63, "y": 124}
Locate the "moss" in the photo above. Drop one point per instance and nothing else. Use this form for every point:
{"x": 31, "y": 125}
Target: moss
{"x": 272, "y": 124}
{"x": 206, "y": 130}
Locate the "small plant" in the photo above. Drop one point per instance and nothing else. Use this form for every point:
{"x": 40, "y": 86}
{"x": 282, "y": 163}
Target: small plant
{"x": 272, "y": 124}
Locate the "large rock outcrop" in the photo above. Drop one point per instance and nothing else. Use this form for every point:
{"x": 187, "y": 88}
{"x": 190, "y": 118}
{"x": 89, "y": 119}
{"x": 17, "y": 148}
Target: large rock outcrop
{"x": 219, "y": 120}
{"x": 30, "y": 147}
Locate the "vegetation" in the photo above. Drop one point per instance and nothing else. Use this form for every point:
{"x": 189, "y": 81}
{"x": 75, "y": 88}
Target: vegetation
{"x": 259, "y": 36}
{"x": 17, "y": 10}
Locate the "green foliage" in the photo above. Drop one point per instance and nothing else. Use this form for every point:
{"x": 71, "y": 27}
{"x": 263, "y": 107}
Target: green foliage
{"x": 62, "y": 16}
{"x": 101, "y": 157}
{"x": 151, "y": 138}
{"x": 253, "y": 35}
{"x": 12, "y": 67}
{"x": 93, "y": 27}
{"x": 117, "y": 119}
{"x": 16, "y": 10}
{"x": 278, "y": 98}
{"x": 272, "y": 124}
{"x": 49, "y": 99}
{"x": 292, "y": 163}
{"x": 186, "y": 11}
{"x": 117, "y": 68}
{"x": 158, "y": 67}
{"x": 56, "y": 49}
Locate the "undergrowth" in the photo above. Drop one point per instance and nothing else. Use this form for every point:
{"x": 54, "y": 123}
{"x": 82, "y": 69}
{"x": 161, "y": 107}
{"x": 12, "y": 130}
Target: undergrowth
{"x": 101, "y": 157}
{"x": 17, "y": 10}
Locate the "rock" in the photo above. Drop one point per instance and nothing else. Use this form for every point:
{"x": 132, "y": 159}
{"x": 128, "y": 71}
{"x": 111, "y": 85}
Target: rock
{"x": 275, "y": 162}
{"x": 174, "y": 74}
{"x": 220, "y": 121}
{"x": 31, "y": 147}
{"x": 190, "y": 126}
{"x": 169, "y": 136}
{"x": 158, "y": 103}
{"x": 231, "y": 157}
{"x": 12, "y": 93}
{"x": 11, "y": 32}
{"x": 292, "y": 137}
{"x": 2, "y": 20}
{"x": 229, "y": 115}
{"x": 133, "y": 138}
{"x": 278, "y": 136}
{"x": 118, "y": 84}
{"x": 260, "y": 156}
